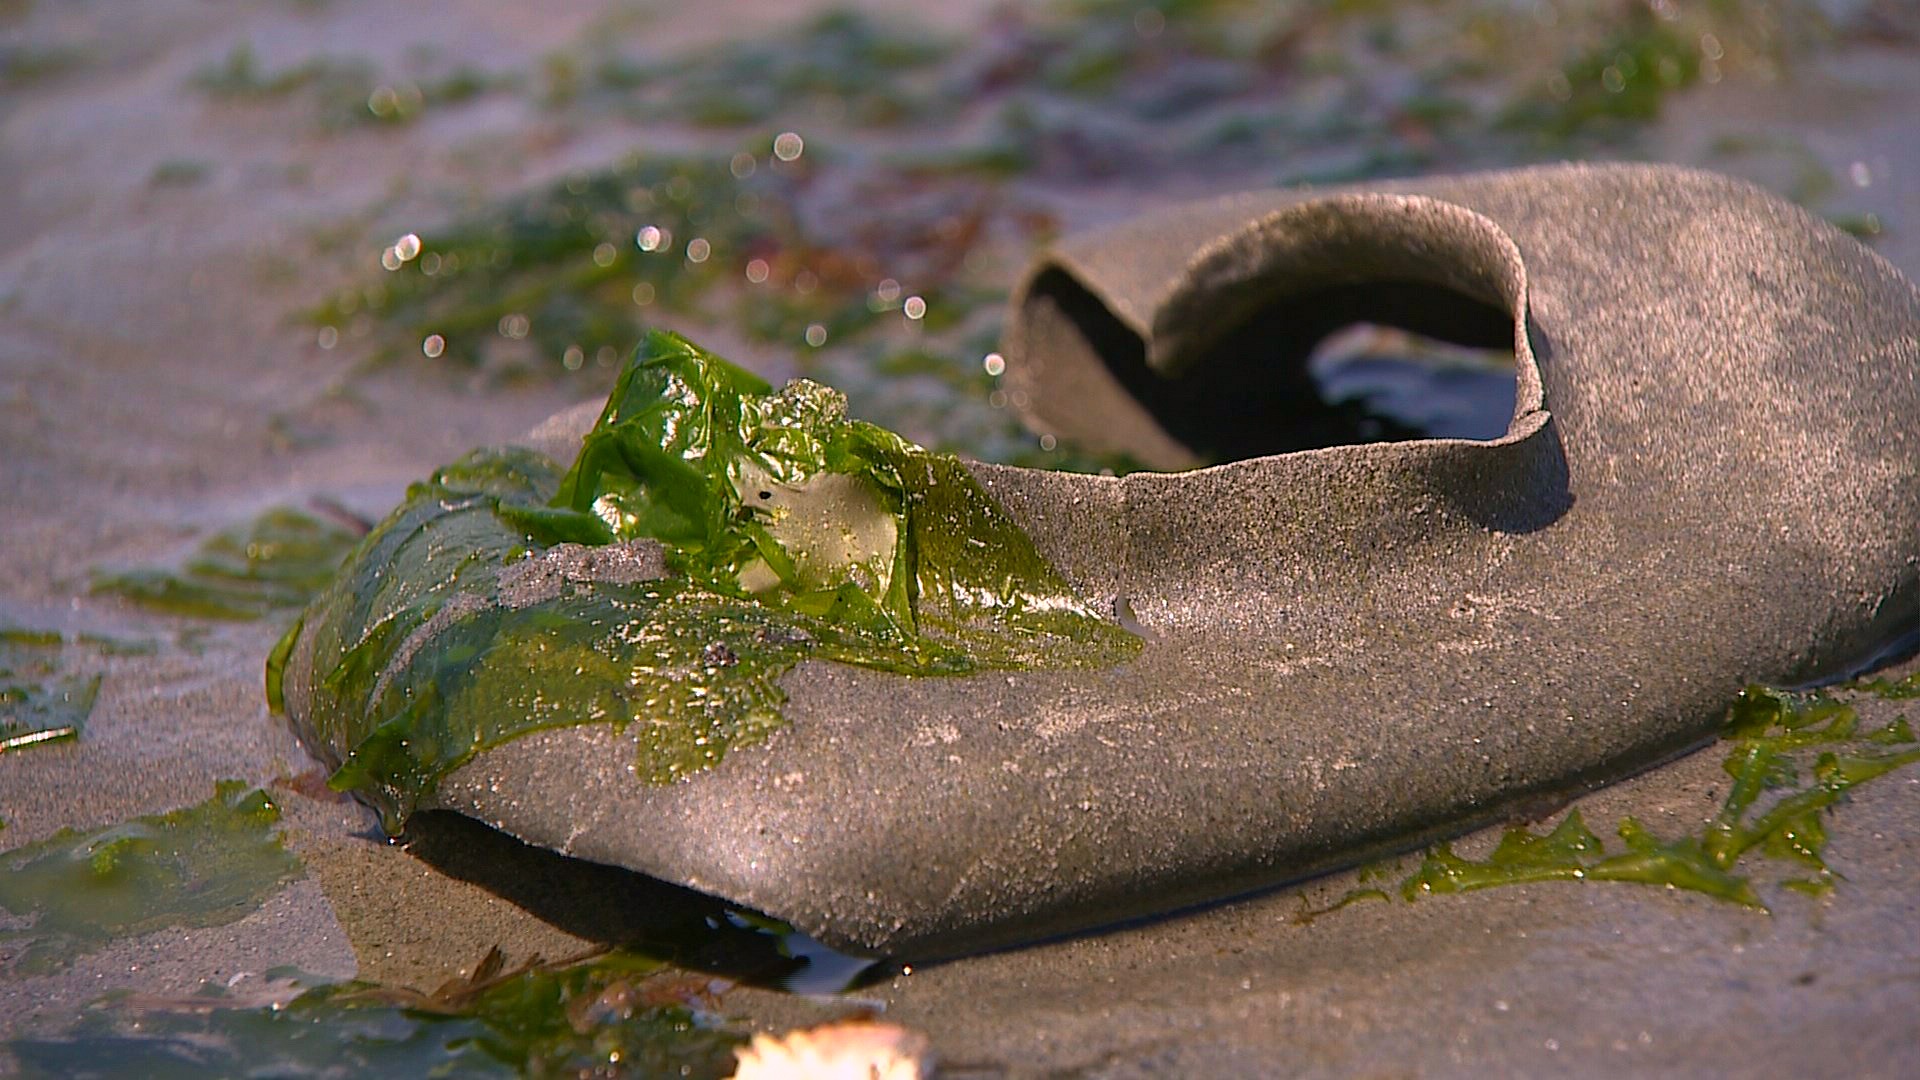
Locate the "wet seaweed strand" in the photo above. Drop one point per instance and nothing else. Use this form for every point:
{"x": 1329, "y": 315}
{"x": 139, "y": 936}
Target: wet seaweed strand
{"x": 737, "y": 530}
{"x": 1790, "y": 758}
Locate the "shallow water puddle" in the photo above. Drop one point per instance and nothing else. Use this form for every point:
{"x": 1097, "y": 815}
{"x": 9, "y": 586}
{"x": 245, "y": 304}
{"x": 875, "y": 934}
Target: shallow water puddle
{"x": 49, "y": 681}
{"x": 204, "y": 865}
{"x": 40, "y": 702}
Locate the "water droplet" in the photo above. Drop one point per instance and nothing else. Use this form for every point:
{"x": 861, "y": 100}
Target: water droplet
{"x": 698, "y": 249}
{"x": 816, "y": 335}
{"x": 328, "y": 337}
{"x": 573, "y": 358}
{"x": 915, "y": 307}
{"x": 643, "y": 293}
{"x": 604, "y": 254}
{"x": 433, "y": 346}
{"x": 742, "y": 165}
{"x": 651, "y": 238}
{"x": 995, "y": 364}
{"x": 788, "y": 146}
{"x": 757, "y": 271}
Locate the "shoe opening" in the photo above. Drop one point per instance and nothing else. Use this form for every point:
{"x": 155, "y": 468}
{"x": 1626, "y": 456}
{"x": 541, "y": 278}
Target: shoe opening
{"x": 1373, "y": 361}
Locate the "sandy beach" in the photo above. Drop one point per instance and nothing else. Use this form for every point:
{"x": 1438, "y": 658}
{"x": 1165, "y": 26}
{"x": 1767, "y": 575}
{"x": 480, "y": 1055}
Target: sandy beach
{"x": 162, "y": 378}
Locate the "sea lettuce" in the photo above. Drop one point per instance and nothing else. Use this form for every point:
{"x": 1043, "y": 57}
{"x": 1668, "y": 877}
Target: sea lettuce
{"x": 711, "y": 534}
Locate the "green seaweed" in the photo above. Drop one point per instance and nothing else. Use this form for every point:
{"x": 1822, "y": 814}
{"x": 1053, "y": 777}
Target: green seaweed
{"x": 569, "y": 270}
{"x": 239, "y": 75}
{"x": 1791, "y": 757}
{"x": 780, "y": 497}
{"x": 342, "y": 92}
{"x": 612, "y": 1016}
{"x": 1902, "y": 689}
{"x": 819, "y": 253}
{"x": 274, "y": 563}
{"x": 711, "y": 534}
{"x": 567, "y": 278}
{"x": 179, "y": 173}
{"x": 862, "y": 68}
{"x": 1071, "y": 89}
{"x": 23, "y": 64}
{"x": 841, "y": 65}
{"x": 1622, "y": 81}
{"x": 204, "y": 865}
{"x": 549, "y": 280}
{"x": 1153, "y": 61}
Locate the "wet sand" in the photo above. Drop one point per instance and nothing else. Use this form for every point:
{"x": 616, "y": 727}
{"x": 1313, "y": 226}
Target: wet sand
{"x": 153, "y": 386}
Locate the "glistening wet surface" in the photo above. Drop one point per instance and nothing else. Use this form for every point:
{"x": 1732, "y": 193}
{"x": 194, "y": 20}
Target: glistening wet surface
{"x": 213, "y": 310}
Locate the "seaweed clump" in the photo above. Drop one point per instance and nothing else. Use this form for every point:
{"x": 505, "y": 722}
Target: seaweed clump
{"x": 614, "y": 1015}
{"x": 1791, "y": 758}
{"x": 711, "y": 534}
{"x": 272, "y": 564}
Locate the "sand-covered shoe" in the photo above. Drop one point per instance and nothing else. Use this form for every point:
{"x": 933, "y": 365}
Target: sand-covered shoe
{"x": 746, "y": 645}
